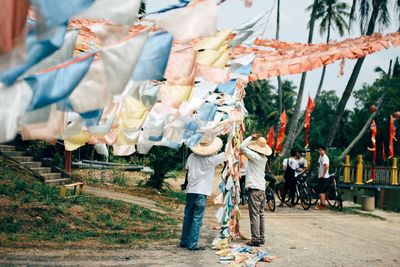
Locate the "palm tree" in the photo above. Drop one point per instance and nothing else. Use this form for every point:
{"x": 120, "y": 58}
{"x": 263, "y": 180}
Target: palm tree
{"x": 372, "y": 13}
{"x": 332, "y": 14}
{"x": 291, "y": 129}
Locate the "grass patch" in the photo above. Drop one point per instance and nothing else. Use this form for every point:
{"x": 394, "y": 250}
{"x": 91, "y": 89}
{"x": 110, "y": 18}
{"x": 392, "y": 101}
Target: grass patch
{"x": 179, "y": 197}
{"x": 357, "y": 211}
{"x": 32, "y": 212}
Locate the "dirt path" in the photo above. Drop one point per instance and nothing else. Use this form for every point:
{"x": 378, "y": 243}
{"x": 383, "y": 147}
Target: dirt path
{"x": 140, "y": 201}
{"x": 297, "y": 237}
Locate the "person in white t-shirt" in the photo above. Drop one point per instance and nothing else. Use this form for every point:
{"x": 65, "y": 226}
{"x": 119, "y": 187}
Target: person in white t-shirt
{"x": 323, "y": 175}
{"x": 256, "y": 149}
{"x": 290, "y": 165}
{"x": 201, "y": 168}
{"x": 302, "y": 168}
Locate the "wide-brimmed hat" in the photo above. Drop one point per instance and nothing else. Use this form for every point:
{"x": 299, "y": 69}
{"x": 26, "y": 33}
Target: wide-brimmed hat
{"x": 207, "y": 147}
{"x": 260, "y": 145}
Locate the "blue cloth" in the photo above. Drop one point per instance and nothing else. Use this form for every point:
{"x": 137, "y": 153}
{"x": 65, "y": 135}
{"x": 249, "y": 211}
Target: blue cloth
{"x": 60, "y": 11}
{"x": 91, "y": 118}
{"x": 193, "y": 219}
{"x": 228, "y": 88}
{"x": 37, "y": 49}
{"x": 182, "y": 3}
{"x": 53, "y": 86}
{"x": 190, "y": 129}
{"x": 207, "y": 111}
{"x": 194, "y": 140}
{"x": 154, "y": 58}
{"x": 244, "y": 70}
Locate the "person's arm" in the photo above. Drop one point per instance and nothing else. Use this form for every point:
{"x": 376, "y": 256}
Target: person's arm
{"x": 184, "y": 185}
{"x": 250, "y": 154}
{"x": 326, "y": 167}
{"x": 284, "y": 164}
{"x": 218, "y": 159}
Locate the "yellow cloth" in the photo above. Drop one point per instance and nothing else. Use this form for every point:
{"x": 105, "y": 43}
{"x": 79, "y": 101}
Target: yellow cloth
{"x": 213, "y": 42}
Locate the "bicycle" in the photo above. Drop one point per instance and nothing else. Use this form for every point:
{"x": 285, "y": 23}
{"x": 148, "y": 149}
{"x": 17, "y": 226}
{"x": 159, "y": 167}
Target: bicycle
{"x": 270, "y": 198}
{"x": 334, "y": 195}
{"x": 302, "y": 193}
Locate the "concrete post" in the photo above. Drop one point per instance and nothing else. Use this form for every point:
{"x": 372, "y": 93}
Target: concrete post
{"x": 395, "y": 174}
{"x": 359, "y": 173}
{"x": 308, "y": 159}
{"x": 346, "y": 170}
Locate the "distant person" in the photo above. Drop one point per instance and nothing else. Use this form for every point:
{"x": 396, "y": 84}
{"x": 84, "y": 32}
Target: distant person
{"x": 201, "y": 168}
{"x": 302, "y": 162}
{"x": 323, "y": 175}
{"x": 256, "y": 149}
{"x": 290, "y": 165}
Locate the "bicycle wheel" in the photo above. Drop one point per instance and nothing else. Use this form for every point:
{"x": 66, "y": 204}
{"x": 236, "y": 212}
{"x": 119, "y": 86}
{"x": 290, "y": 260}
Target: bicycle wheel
{"x": 313, "y": 196}
{"x": 340, "y": 200}
{"x": 331, "y": 197}
{"x": 279, "y": 190}
{"x": 270, "y": 199}
{"x": 305, "y": 198}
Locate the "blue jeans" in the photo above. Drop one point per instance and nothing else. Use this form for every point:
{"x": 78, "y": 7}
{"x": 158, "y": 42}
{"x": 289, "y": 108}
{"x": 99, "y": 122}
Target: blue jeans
{"x": 193, "y": 219}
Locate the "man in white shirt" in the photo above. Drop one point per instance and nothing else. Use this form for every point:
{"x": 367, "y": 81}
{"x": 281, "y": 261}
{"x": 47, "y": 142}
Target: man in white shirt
{"x": 302, "y": 162}
{"x": 290, "y": 166}
{"x": 323, "y": 175}
{"x": 255, "y": 148}
{"x": 201, "y": 168}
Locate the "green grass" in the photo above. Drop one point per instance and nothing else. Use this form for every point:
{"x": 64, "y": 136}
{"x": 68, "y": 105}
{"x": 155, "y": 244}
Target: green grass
{"x": 180, "y": 197}
{"x": 35, "y": 213}
{"x": 357, "y": 211}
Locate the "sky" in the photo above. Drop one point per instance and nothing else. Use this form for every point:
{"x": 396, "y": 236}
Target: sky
{"x": 293, "y": 28}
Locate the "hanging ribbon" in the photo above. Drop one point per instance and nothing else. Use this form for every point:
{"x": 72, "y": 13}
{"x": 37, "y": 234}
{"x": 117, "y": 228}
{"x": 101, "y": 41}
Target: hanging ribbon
{"x": 392, "y": 136}
{"x": 307, "y": 118}
{"x": 281, "y": 135}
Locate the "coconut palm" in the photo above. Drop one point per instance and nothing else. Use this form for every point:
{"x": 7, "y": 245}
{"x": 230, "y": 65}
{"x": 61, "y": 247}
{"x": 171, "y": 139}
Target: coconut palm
{"x": 372, "y": 13}
{"x": 332, "y": 14}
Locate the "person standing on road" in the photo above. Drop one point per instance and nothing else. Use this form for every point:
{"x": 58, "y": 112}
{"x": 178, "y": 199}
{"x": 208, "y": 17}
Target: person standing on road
{"x": 256, "y": 149}
{"x": 290, "y": 165}
{"x": 302, "y": 162}
{"x": 201, "y": 168}
{"x": 323, "y": 175}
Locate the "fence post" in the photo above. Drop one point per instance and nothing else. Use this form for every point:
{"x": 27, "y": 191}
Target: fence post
{"x": 394, "y": 180}
{"x": 346, "y": 171}
{"x": 308, "y": 159}
{"x": 359, "y": 174}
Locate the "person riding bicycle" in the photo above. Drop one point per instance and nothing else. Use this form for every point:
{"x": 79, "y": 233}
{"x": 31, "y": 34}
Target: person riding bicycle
{"x": 323, "y": 176}
{"x": 290, "y": 165}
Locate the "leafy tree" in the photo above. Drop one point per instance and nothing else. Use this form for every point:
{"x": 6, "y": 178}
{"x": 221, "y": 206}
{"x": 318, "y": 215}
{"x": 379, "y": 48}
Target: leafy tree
{"x": 372, "y": 13}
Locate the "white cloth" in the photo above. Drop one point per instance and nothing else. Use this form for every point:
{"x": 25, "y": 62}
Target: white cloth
{"x": 321, "y": 162}
{"x": 302, "y": 162}
{"x": 292, "y": 163}
{"x": 119, "y": 11}
{"x": 201, "y": 172}
{"x": 255, "y": 167}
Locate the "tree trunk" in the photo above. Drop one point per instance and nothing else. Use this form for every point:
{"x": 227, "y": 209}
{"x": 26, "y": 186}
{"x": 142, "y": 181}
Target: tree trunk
{"x": 280, "y": 93}
{"x": 291, "y": 130}
{"x": 321, "y": 82}
{"x": 368, "y": 122}
{"x": 352, "y": 81}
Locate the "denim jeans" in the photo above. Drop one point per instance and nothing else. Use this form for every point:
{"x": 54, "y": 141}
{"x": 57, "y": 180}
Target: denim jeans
{"x": 193, "y": 219}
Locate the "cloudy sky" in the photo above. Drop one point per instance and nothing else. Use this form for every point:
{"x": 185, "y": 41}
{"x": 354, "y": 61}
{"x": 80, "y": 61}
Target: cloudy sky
{"x": 294, "y": 29}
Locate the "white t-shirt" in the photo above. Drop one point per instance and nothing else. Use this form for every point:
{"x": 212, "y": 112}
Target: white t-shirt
{"x": 292, "y": 163}
{"x": 321, "y": 162}
{"x": 302, "y": 162}
{"x": 201, "y": 172}
{"x": 255, "y": 170}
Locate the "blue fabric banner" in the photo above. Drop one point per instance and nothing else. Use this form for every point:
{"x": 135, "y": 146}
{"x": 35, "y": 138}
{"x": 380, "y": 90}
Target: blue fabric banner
{"x": 53, "y": 86}
{"x": 154, "y": 58}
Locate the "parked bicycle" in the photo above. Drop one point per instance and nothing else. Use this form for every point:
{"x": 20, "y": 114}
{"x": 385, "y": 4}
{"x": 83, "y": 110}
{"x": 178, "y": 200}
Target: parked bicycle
{"x": 302, "y": 193}
{"x": 334, "y": 195}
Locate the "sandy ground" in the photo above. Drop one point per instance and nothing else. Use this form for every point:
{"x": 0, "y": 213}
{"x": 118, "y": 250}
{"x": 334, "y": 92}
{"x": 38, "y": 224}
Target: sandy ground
{"x": 297, "y": 237}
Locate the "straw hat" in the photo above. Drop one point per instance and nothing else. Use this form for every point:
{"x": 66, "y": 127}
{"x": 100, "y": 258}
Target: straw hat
{"x": 260, "y": 146}
{"x": 207, "y": 147}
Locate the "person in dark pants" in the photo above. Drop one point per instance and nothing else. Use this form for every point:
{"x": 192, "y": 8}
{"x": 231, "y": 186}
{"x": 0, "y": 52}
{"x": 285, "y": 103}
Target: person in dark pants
{"x": 290, "y": 165}
{"x": 201, "y": 168}
{"x": 255, "y": 148}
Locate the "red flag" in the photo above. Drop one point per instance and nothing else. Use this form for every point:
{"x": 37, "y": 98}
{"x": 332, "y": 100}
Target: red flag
{"x": 307, "y": 117}
{"x": 271, "y": 137}
{"x": 374, "y": 131}
{"x": 281, "y": 135}
{"x": 383, "y": 152}
{"x": 392, "y": 136}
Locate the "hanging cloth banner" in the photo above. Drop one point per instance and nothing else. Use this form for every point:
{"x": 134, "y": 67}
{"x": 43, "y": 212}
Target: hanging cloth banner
{"x": 120, "y": 11}
{"x": 392, "y": 136}
{"x": 154, "y": 58}
{"x": 196, "y": 20}
{"x": 384, "y": 158}
{"x": 38, "y": 49}
{"x": 281, "y": 135}
{"x": 271, "y": 137}
{"x": 120, "y": 61}
{"x": 59, "y": 82}
{"x": 307, "y": 118}
{"x": 374, "y": 132}
{"x": 182, "y": 3}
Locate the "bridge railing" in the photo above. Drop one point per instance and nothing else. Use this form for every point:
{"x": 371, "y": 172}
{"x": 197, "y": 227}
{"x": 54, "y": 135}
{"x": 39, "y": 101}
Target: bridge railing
{"x": 360, "y": 174}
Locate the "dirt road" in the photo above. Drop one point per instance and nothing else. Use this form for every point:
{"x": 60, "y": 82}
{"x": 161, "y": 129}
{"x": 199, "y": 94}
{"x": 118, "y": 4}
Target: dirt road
{"x": 297, "y": 237}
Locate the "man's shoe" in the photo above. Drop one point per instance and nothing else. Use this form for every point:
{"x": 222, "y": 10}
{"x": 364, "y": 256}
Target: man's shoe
{"x": 253, "y": 244}
{"x": 320, "y": 207}
{"x": 182, "y": 246}
{"x": 262, "y": 242}
{"x": 197, "y": 248}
